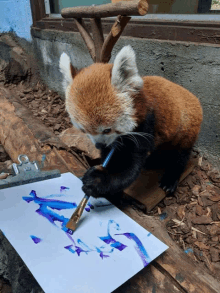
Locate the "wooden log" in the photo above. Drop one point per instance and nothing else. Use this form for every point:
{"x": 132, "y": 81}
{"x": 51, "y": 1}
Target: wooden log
{"x": 20, "y": 133}
{"x": 176, "y": 266}
{"x": 113, "y": 36}
{"x": 146, "y": 188}
{"x": 137, "y": 7}
{"x": 86, "y": 37}
{"x": 98, "y": 37}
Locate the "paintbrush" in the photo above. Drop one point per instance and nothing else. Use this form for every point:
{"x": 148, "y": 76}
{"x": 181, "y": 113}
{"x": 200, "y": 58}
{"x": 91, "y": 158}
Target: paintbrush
{"x": 73, "y": 221}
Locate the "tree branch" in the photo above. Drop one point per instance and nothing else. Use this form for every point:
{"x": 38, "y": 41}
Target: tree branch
{"x": 136, "y": 7}
{"x": 98, "y": 37}
{"x": 112, "y": 37}
{"x": 86, "y": 37}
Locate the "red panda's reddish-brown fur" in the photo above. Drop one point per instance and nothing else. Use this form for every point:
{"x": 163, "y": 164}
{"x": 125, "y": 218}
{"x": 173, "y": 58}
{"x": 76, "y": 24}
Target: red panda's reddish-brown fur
{"x": 136, "y": 116}
{"x": 91, "y": 92}
{"x": 173, "y": 105}
{"x": 178, "y": 112}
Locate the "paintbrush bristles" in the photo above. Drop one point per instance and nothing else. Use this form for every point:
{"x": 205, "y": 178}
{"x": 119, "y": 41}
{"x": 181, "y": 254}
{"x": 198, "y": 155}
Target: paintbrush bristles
{"x": 77, "y": 214}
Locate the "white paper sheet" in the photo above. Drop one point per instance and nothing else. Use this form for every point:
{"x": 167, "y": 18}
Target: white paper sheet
{"x": 106, "y": 250}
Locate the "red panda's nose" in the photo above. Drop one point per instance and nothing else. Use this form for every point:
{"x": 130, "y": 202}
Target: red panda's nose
{"x": 99, "y": 145}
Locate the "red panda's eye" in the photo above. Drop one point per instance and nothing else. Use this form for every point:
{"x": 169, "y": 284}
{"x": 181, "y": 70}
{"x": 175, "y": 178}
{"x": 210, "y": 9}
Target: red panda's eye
{"x": 106, "y": 131}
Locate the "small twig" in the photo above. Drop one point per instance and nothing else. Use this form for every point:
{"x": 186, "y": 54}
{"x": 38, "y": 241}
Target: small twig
{"x": 113, "y": 36}
{"x": 86, "y": 37}
{"x": 98, "y": 37}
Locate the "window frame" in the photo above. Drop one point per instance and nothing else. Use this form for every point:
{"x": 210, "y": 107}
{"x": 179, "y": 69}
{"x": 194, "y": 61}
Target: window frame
{"x": 160, "y": 29}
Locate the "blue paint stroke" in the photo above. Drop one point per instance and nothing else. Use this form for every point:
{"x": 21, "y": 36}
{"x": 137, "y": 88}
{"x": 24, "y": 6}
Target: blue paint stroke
{"x": 149, "y": 234}
{"x": 35, "y": 239}
{"x": 47, "y": 204}
{"x": 90, "y": 205}
{"x": 69, "y": 247}
{"x": 46, "y": 209}
{"x": 110, "y": 240}
{"x": 63, "y": 188}
{"x": 138, "y": 247}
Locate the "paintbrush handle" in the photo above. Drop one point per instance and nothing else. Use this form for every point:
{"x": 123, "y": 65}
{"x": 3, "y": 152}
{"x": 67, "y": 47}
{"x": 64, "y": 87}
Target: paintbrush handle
{"x": 78, "y": 212}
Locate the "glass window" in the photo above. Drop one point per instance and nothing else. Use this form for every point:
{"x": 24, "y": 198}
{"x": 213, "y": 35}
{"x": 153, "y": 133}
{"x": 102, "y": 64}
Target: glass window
{"x": 57, "y": 5}
{"x": 155, "y": 6}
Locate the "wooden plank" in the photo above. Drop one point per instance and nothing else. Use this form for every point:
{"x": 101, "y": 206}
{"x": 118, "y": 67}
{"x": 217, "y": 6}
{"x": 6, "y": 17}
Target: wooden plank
{"x": 20, "y": 133}
{"x": 146, "y": 188}
{"x": 176, "y": 265}
{"x": 148, "y": 280}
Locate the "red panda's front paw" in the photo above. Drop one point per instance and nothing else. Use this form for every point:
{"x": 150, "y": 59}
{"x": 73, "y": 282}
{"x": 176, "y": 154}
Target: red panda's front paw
{"x": 94, "y": 182}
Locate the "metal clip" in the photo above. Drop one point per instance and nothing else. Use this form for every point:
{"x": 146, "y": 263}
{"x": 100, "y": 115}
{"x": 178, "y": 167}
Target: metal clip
{"x": 27, "y": 172}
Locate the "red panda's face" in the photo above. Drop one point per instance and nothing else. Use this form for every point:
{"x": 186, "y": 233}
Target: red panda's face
{"x": 99, "y": 98}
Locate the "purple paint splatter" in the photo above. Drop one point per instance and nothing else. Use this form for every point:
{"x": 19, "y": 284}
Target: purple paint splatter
{"x": 87, "y": 209}
{"x": 35, "y": 239}
{"x": 69, "y": 247}
{"x": 63, "y": 188}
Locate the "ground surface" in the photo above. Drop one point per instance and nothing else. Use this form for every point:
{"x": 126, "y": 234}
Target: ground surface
{"x": 215, "y": 5}
{"x": 194, "y": 211}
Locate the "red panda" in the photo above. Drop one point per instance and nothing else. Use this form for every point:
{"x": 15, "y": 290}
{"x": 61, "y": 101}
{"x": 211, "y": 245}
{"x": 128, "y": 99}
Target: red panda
{"x": 137, "y": 115}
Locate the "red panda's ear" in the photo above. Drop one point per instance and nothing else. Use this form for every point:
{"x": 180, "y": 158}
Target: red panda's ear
{"x": 67, "y": 70}
{"x": 73, "y": 70}
{"x": 125, "y": 77}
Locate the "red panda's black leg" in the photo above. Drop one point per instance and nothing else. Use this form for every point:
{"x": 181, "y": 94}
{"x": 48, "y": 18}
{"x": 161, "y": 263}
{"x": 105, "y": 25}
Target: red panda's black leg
{"x": 176, "y": 164}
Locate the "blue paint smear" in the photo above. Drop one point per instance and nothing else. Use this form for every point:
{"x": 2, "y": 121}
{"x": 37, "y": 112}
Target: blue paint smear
{"x": 163, "y": 216}
{"x": 63, "y": 188}
{"x": 69, "y": 247}
{"x": 188, "y": 250}
{"x": 90, "y": 205}
{"x": 35, "y": 239}
{"x": 47, "y": 204}
{"x": 149, "y": 234}
{"x": 47, "y": 209}
{"x": 139, "y": 248}
{"x": 42, "y": 160}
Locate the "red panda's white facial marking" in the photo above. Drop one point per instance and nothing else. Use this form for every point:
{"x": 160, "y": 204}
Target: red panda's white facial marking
{"x": 100, "y": 96}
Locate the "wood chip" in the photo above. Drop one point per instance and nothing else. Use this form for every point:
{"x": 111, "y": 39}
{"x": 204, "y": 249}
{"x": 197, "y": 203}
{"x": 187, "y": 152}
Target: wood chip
{"x": 196, "y": 189}
{"x": 202, "y": 220}
{"x": 199, "y": 210}
{"x": 201, "y": 245}
{"x": 214, "y": 254}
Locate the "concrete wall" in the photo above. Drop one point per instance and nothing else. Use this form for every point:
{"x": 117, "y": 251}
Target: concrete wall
{"x": 15, "y": 16}
{"x": 194, "y": 66}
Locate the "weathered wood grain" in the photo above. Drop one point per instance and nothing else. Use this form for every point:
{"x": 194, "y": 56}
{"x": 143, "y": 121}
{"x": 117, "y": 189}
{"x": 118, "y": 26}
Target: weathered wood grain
{"x": 136, "y": 7}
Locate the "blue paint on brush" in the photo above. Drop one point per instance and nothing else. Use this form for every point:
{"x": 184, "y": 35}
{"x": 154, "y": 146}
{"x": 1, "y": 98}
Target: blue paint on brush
{"x": 35, "y": 239}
